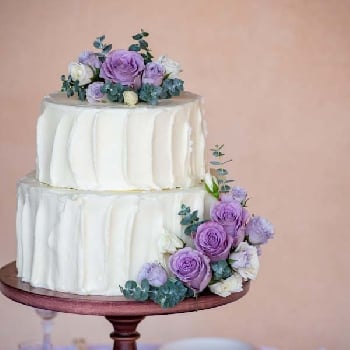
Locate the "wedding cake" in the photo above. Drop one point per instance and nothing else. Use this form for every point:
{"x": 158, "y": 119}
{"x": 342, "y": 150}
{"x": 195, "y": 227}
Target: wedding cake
{"x": 109, "y": 183}
{"x": 119, "y": 152}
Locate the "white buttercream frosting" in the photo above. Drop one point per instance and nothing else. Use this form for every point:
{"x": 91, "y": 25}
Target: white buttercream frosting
{"x": 115, "y": 147}
{"x": 90, "y": 242}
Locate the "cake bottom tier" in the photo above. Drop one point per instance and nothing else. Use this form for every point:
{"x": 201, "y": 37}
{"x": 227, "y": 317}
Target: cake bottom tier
{"x": 87, "y": 242}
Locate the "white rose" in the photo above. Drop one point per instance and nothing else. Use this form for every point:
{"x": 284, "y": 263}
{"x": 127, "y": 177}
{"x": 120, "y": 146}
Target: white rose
{"x": 169, "y": 243}
{"x": 172, "y": 68}
{"x": 245, "y": 261}
{"x": 130, "y": 98}
{"x": 81, "y": 72}
{"x": 210, "y": 181}
{"x": 228, "y": 286}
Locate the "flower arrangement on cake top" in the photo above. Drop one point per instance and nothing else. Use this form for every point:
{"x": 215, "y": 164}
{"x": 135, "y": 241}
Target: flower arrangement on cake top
{"x": 125, "y": 76}
{"x": 220, "y": 254}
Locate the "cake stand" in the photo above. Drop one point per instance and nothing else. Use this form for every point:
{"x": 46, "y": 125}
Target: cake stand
{"x": 124, "y": 314}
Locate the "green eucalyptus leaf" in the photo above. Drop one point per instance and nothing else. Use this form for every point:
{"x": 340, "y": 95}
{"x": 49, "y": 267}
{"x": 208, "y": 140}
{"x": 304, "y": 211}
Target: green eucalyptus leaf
{"x": 171, "y": 87}
{"x": 184, "y": 210}
{"x": 145, "y": 285}
{"x": 194, "y": 216}
{"x": 137, "y": 294}
{"x": 218, "y": 154}
{"x": 170, "y": 293}
{"x": 82, "y": 94}
{"x": 143, "y": 44}
{"x": 188, "y": 231}
{"x": 105, "y": 88}
{"x": 195, "y": 226}
{"x": 101, "y": 38}
{"x": 134, "y": 47}
{"x": 146, "y": 58}
{"x": 221, "y": 172}
{"x": 221, "y": 270}
{"x": 107, "y": 48}
{"x": 225, "y": 188}
{"x": 143, "y": 296}
{"x": 185, "y": 221}
{"x": 137, "y": 36}
{"x": 130, "y": 285}
{"x": 76, "y": 86}
{"x": 97, "y": 44}
{"x": 150, "y": 93}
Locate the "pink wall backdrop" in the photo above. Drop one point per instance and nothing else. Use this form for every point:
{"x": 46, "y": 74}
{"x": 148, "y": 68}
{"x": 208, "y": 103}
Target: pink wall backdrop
{"x": 275, "y": 76}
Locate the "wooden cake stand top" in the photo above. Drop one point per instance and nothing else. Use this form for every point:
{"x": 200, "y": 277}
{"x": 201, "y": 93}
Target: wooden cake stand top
{"x": 123, "y": 314}
{"x": 12, "y": 287}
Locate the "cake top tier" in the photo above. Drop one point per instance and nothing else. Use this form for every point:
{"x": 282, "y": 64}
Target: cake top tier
{"x": 112, "y": 146}
{"x": 93, "y": 137}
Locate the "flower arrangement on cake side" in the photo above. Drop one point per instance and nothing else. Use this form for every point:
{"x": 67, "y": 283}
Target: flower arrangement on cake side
{"x": 220, "y": 254}
{"x": 125, "y": 76}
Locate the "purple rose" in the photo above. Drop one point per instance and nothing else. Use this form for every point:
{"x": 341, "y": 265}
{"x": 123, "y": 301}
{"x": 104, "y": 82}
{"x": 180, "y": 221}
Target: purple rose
{"x": 259, "y": 230}
{"x": 89, "y": 58}
{"x": 239, "y": 194}
{"x": 93, "y": 92}
{"x": 232, "y": 216}
{"x": 213, "y": 241}
{"x": 191, "y": 267}
{"x": 124, "y": 67}
{"x": 153, "y": 74}
{"x": 154, "y": 273}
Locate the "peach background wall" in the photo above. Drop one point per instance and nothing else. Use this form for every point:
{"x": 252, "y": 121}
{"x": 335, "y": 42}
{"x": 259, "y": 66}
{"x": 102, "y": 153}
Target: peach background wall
{"x": 276, "y": 80}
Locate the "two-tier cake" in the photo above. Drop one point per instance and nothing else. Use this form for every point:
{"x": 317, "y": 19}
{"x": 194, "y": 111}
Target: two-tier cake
{"x": 118, "y": 198}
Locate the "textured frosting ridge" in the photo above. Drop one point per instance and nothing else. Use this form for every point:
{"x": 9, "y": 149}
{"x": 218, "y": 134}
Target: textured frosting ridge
{"x": 114, "y": 147}
{"x": 88, "y": 242}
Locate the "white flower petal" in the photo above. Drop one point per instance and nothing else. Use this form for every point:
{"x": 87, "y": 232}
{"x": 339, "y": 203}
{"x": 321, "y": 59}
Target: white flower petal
{"x": 169, "y": 243}
{"x": 228, "y": 286}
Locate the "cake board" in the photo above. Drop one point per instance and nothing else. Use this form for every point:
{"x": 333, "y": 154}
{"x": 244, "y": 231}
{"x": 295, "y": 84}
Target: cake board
{"x": 123, "y": 314}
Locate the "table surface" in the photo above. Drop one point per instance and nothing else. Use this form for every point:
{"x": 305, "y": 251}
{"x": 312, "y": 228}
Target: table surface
{"x": 22, "y": 292}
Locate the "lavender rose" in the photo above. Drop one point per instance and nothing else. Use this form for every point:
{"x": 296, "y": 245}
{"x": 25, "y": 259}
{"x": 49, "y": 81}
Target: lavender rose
{"x": 154, "y": 273}
{"x": 191, "y": 267}
{"x": 89, "y": 58}
{"x": 230, "y": 214}
{"x": 239, "y": 194}
{"x": 153, "y": 74}
{"x": 213, "y": 241}
{"x": 93, "y": 92}
{"x": 259, "y": 230}
{"x": 124, "y": 67}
